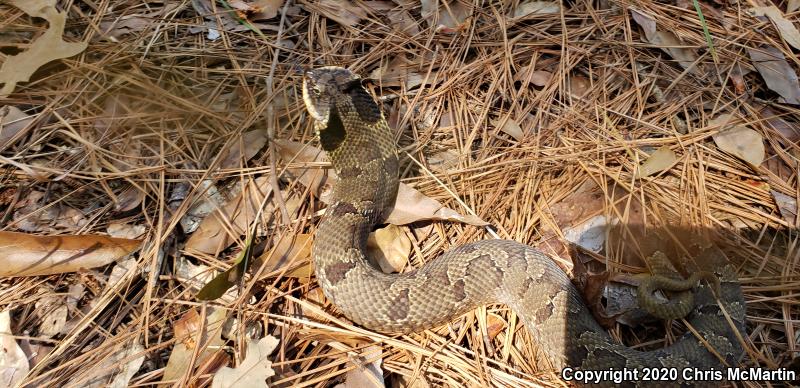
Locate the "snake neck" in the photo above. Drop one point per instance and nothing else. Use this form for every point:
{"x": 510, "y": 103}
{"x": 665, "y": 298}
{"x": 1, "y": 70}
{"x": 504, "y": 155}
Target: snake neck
{"x": 364, "y": 156}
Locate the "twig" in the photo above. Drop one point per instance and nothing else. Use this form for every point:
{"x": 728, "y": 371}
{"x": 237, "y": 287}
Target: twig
{"x": 273, "y": 176}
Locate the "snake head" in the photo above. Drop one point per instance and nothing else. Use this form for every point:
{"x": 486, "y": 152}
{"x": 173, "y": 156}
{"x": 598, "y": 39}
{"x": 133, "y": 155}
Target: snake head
{"x": 323, "y": 87}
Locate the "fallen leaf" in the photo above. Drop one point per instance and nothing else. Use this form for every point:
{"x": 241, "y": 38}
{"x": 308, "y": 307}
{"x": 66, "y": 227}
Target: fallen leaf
{"x": 737, "y": 78}
{"x": 128, "y": 149}
{"x": 221, "y": 19}
{"x": 738, "y": 140}
{"x": 389, "y": 247}
{"x": 13, "y": 362}
{"x": 494, "y": 325}
{"x": 793, "y": 5}
{"x": 789, "y": 130}
{"x": 128, "y": 231}
{"x": 70, "y": 219}
{"x": 660, "y": 160}
{"x": 260, "y": 9}
{"x": 223, "y": 282}
{"x": 319, "y": 180}
{"x": 669, "y": 43}
{"x": 224, "y": 225}
{"x": 317, "y": 299}
{"x": 116, "y": 369}
{"x": 12, "y": 122}
{"x": 510, "y": 127}
{"x": 665, "y": 40}
{"x": 777, "y": 73}
{"x": 28, "y": 255}
{"x": 582, "y": 202}
{"x": 236, "y": 327}
{"x": 398, "y": 72}
{"x": 128, "y": 199}
{"x": 189, "y": 338}
{"x": 74, "y": 295}
{"x": 535, "y": 8}
{"x": 24, "y": 219}
{"x": 410, "y": 381}
{"x": 645, "y": 21}
{"x": 589, "y": 235}
{"x": 785, "y": 26}
{"x": 368, "y": 372}
{"x": 343, "y": 12}
{"x": 292, "y": 250}
{"x": 782, "y": 170}
{"x": 33, "y": 216}
{"x": 52, "y": 311}
{"x": 379, "y": 5}
{"x": 443, "y": 161}
{"x": 579, "y": 86}
{"x": 210, "y": 198}
{"x": 293, "y": 201}
{"x": 413, "y": 206}
{"x": 253, "y": 371}
{"x": 46, "y": 48}
{"x": 403, "y": 22}
{"x": 242, "y": 150}
{"x": 119, "y": 27}
{"x": 35, "y": 351}
{"x": 213, "y": 33}
{"x": 133, "y": 23}
{"x": 787, "y": 206}
{"x": 428, "y": 119}
{"x": 453, "y": 16}
{"x": 428, "y": 8}
{"x": 120, "y": 270}
{"x": 7, "y": 195}
{"x": 196, "y": 276}
{"x": 536, "y": 77}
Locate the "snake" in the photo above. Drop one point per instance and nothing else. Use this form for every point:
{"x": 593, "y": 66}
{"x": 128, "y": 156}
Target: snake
{"x": 354, "y": 133}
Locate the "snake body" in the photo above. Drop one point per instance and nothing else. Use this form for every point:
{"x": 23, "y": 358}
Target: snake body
{"x": 362, "y": 150}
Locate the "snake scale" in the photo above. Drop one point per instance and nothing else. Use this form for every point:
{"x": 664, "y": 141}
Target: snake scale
{"x": 361, "y": 147}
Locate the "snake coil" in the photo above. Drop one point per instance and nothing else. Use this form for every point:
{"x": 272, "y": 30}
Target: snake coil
{"x": 362, "y": 150}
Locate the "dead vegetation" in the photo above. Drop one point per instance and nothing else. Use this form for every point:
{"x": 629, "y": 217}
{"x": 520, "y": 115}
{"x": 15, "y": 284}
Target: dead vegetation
{"x": 180, "y": 124}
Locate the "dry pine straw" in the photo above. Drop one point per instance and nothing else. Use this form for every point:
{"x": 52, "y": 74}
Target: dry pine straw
{"x": 181, "y": 97}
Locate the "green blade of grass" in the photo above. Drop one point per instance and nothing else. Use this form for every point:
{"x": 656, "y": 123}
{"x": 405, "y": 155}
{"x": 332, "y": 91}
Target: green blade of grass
{"x": 705, "y": 31}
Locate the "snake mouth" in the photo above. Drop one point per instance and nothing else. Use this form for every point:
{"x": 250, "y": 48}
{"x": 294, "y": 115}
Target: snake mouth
{"x": 309, "y": 81}
{"x": 309, "y": 76}
{"x": 311, "y": 98}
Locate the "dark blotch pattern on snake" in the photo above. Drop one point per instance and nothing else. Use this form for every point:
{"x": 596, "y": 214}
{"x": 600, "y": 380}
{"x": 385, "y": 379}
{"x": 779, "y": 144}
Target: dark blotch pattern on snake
{"x": 362, "y": 149}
